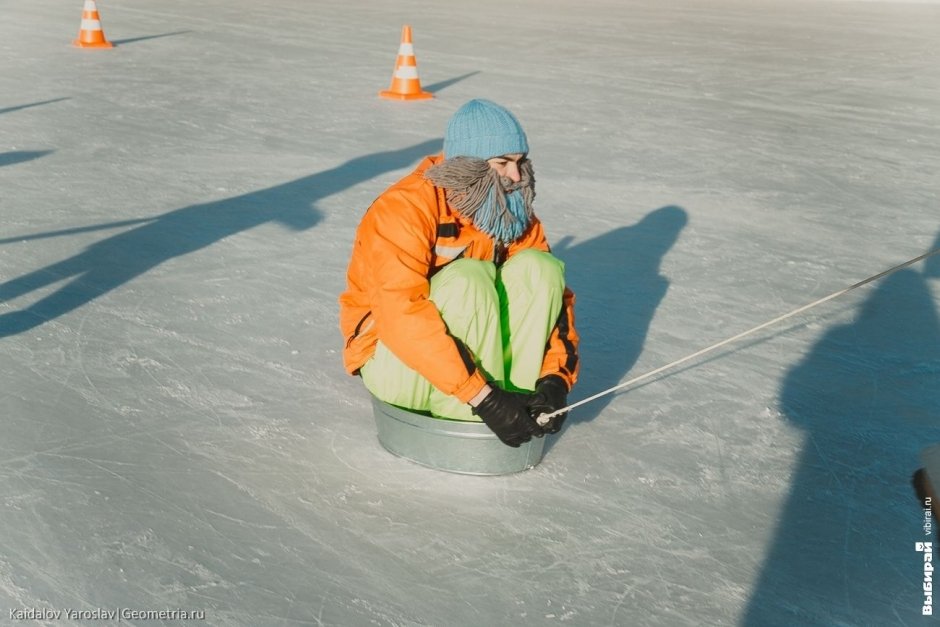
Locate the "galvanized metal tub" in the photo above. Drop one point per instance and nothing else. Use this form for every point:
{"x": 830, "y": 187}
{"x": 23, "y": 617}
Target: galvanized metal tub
{"x": 468, "y": 448}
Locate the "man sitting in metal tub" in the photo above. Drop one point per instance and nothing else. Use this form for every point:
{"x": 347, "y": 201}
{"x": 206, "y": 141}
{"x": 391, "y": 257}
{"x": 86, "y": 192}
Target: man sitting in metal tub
{"x": 455, "y": 306}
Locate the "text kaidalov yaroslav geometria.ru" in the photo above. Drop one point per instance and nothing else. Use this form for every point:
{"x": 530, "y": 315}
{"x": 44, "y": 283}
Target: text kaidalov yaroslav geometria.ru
{"x": 104, "y": 614}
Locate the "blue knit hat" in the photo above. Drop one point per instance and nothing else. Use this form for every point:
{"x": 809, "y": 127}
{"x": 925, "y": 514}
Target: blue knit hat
{"x": 484, "y": 130}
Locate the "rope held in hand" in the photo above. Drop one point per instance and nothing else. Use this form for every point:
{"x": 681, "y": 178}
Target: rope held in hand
{"x": 544, "y": 418}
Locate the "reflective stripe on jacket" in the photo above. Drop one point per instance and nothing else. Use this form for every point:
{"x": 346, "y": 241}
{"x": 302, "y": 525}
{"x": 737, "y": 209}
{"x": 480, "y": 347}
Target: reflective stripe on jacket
{"x": 408, "y": 234}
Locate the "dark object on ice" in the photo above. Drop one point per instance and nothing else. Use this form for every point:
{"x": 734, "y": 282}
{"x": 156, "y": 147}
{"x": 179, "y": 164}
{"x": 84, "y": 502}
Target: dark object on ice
{"x": 921, "y": 479}
{"x": 924, "y": 490}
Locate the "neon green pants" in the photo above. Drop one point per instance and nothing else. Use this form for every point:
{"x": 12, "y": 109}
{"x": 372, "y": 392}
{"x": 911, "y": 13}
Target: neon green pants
{"x": 503, "y": 315}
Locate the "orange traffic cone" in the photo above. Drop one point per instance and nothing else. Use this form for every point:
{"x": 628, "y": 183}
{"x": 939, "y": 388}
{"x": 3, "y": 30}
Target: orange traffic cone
{"x": 91, "y": 35}
{"x": 405, "y": 83}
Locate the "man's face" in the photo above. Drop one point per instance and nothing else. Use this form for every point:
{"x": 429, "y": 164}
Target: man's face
{"x": 507, "y": 165}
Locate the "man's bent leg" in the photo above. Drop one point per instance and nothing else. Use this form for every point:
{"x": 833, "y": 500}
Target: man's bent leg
{"x": 390, "y": 380}
{"x": 465, "y": 294}
{"x": 531, "y": 287}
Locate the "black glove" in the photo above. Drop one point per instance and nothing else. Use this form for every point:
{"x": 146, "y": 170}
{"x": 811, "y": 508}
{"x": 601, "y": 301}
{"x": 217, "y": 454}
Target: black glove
{"x": 551, "y": 394}
{"x": 505, "y": 413}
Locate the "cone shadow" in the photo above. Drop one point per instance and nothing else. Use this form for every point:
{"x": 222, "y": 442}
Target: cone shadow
{"x": 121, "y": 42}
{"x": 21, "y": 156}
{"x": 32, "y": 104}
{"x": 441, "y": 85}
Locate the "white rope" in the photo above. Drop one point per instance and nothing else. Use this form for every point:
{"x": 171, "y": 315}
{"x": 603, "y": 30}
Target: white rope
{"x": 543, "y": 419}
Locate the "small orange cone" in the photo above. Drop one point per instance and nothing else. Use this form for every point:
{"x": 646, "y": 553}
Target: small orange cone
{"x": 405, "y": 83}
{"x": 91, "y": 35}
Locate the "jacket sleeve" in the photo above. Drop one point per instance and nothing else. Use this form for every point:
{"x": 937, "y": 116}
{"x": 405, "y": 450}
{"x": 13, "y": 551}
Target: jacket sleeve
{"x": 399, "y": 236}
{"x": 561, "y": 354}
{"x": 561, "y": 351}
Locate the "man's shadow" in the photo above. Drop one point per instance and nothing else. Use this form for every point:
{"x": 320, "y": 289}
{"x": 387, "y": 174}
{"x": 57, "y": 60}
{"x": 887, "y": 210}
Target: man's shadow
{"x": 867, "y": 397}
{"x": 116, "y": 260}
{"x": 617, "y": 284}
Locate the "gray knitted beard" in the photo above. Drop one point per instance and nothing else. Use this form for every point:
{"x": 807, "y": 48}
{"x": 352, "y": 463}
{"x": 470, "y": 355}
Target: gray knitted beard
{"x": 497, "y": 206}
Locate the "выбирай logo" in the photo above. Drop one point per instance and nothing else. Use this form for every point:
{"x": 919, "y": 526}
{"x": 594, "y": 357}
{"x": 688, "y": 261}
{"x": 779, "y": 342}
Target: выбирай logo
{"x": 927, "y": 549}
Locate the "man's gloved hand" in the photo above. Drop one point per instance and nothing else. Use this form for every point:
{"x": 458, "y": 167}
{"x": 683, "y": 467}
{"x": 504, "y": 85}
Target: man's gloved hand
{"x": 506, "y": 414}
{"x": 551, "y": 394}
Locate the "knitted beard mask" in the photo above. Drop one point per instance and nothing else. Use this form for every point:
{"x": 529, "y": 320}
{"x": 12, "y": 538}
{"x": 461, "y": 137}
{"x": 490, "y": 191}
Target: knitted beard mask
{"x": 497, "y": 206}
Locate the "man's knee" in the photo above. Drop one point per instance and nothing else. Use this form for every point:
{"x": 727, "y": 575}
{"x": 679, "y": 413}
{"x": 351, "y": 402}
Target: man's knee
{"x": 464, "y": 279}
{"x": 534, "y": 268}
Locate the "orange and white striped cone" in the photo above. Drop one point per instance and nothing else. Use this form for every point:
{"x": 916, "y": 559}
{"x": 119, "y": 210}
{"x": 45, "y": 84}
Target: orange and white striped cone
{"x": 90, "y": 35}
{"x": 405, "y": 83}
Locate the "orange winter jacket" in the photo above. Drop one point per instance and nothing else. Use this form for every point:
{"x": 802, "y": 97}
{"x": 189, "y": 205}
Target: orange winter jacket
{"x": 407, "y": 235}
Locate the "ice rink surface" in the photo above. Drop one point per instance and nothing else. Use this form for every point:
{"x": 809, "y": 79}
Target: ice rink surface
{"x": 175, "y": 219}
